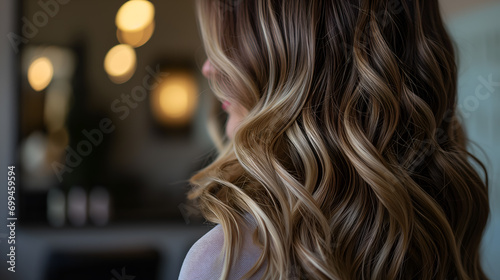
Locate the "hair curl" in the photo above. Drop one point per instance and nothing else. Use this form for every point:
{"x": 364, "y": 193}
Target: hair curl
{"x": 352, "y": 160}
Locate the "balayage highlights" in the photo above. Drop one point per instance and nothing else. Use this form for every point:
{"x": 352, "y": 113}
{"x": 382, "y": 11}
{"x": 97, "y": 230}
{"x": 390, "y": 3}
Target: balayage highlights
{"x": 330, "y": 161}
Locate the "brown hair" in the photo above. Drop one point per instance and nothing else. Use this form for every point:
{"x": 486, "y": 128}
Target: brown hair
{"x": 352, "y": 160}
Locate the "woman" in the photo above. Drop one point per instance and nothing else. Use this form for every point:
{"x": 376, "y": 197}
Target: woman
{"x": 345, "y": 158}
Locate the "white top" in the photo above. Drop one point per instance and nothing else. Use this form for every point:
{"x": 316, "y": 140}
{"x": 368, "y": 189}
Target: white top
{"x": 203, "y": 260}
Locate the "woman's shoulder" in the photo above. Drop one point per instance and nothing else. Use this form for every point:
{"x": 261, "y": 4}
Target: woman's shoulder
{"x": 204, "y": 259}
{"x": 201, "y": 262}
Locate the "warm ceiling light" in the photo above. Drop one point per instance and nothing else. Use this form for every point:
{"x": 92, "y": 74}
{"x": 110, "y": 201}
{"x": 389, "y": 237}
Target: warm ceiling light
{"x": 40, "y": 73}
{"x": 120, "y": 63}
{"x": 135, "y": 15}
{"x": 135, "y": 38}
{"x": 174, "y": 101}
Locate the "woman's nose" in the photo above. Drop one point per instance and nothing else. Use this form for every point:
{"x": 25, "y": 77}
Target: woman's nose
{"x": 207, "y": 69}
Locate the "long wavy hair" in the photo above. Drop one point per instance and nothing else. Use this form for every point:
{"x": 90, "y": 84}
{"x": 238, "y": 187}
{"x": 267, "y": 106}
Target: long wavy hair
{"x": 352, "y": 161}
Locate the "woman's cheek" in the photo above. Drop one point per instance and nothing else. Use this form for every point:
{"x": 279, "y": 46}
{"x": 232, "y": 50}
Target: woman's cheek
{"x": 232, "y": 124}
{"x": 236, "y": 114}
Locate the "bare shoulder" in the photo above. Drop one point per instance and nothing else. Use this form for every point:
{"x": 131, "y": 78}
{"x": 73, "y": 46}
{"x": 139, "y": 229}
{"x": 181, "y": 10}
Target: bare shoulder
{"x": 204, "y": 259}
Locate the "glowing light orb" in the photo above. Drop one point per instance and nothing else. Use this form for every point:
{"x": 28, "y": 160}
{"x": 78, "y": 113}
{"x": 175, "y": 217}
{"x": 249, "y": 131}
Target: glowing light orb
{"x": 120, "y": 63}
{"x": 135, "y": 15}
{"x": 40, "y": 73}
{"x": 135, "y": 38}
{"x": 174, "y": 101}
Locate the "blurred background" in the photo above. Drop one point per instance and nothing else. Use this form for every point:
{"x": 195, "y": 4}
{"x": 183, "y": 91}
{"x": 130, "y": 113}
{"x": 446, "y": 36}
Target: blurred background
{"x": 103, "y": 114}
